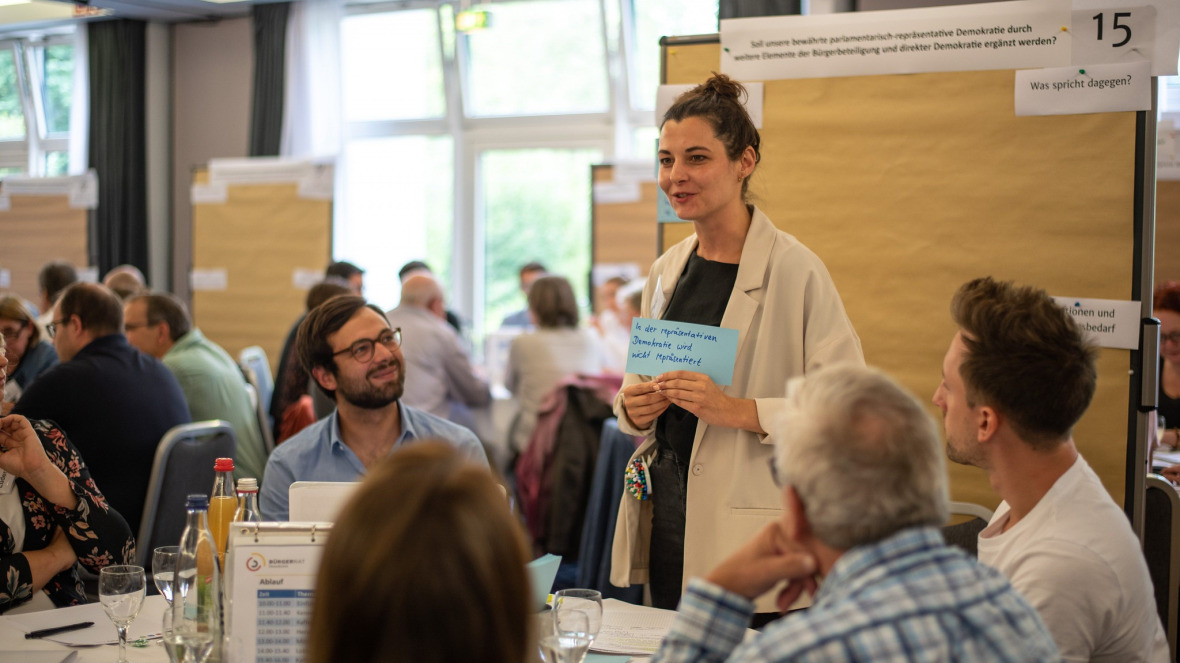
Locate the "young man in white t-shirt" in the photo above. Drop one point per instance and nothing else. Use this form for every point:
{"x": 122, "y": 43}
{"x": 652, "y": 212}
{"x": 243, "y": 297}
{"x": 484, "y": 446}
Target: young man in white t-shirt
{"x": 1017, "y": 377}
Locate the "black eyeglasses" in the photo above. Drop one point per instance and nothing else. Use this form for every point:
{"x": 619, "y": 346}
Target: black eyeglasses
{"x": 11, "y": 334}
{"x": 51, "y": 328}
{"x": 362, "y": 350}
{"x": 131, "y": 326}
{"x": 1173, "y": 337}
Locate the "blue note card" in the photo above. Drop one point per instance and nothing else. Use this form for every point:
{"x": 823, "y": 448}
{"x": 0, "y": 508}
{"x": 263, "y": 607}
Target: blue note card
{"x": 658, "y": 346}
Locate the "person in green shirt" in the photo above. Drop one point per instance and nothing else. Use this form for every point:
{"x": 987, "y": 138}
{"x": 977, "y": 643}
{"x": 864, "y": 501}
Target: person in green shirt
{"x": 159, "y": 325}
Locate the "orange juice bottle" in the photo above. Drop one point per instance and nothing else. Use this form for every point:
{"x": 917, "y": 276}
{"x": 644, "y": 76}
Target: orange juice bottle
{"x": 223, "y": 501}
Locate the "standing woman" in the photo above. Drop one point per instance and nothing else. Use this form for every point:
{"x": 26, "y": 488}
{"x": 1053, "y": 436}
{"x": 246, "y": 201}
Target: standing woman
{"x": 706, "y": 446}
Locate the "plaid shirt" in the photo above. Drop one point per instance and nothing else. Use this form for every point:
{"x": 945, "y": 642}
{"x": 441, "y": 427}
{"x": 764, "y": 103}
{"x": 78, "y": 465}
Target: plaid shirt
{"x": 908, "y": 597}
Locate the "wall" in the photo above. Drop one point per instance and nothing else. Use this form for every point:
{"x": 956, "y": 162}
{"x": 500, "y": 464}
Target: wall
{"x": 158, "y": 100}
{"x": 212, "y": 78}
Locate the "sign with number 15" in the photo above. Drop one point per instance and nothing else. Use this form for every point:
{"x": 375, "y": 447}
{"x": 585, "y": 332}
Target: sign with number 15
{"x": 1113, "y": 36}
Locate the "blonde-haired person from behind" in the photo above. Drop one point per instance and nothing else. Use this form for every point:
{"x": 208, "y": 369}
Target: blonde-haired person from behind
{"x": 426, "y": 564}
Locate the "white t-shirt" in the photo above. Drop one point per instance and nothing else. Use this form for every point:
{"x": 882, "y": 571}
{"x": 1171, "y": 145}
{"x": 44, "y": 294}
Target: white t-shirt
{"x": 1076, "y": 560}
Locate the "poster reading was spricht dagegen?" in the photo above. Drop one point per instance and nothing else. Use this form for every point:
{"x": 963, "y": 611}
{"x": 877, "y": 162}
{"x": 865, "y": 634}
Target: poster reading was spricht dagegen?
{"x": 999, "y": 35}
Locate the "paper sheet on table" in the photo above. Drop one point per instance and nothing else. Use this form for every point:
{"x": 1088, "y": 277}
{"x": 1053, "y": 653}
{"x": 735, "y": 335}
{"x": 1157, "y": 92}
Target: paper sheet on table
{"x": 38, "y": 656}
{"x": 146, "y": 625}
{"x": 542, "y": 572}
{"x": 631, "y": 629}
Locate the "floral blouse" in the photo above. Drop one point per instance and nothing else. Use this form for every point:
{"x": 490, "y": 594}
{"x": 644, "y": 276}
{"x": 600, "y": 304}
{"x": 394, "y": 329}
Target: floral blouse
{"x": 97, "y": 533}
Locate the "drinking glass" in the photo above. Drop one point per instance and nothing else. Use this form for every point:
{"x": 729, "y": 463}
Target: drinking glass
{"x": 1161, "y": 427}
{"x": 570, "y": 643}
{"x": 567, "y": 602}
{"x": 164, "y": 570}
{"x": 121, "y": 590}
{"x": 186, "y": 644}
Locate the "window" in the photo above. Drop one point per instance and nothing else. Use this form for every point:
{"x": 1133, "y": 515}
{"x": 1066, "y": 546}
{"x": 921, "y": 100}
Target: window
{"x": 657, "y": 18}
{"x": 535, "y": 209}
{"x": 538, "y": 57}
{"x": 398, "y": 197}
{"x": 392, "y": 66}
{"x": 12, "y": 117}
{"x": 53, "y": 71}
{"x": 472, "y": 150}
{"x": 36, "y": 84}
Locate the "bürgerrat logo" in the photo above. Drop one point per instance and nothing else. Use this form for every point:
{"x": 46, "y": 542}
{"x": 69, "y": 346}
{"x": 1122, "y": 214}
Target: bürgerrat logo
{"x": 255, "y": 562}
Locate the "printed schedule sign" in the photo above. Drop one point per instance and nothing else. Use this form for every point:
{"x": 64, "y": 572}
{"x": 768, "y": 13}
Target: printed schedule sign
{"x": 270, "y": 585}
{"x": 284, "y": 616}
{"x": 658, "y": 346}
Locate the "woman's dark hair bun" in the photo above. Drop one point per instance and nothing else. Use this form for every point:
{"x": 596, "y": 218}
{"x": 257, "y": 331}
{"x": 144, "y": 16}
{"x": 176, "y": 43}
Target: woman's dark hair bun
{"x": 723, "y": 86}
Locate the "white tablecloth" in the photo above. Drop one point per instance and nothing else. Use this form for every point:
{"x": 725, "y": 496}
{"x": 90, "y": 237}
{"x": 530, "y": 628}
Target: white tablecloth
{"x": 14, "y": 647}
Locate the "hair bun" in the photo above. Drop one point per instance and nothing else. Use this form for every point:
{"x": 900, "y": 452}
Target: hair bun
{"x": 723, "y": 86}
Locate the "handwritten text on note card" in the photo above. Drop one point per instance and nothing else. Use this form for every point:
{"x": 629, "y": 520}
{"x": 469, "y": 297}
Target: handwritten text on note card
{"x": 658, "y": 346}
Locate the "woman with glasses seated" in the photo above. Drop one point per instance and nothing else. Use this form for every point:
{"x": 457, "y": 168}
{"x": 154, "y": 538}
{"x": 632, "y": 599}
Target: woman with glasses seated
{"x": 1166, "y": 305}
{"x": 52, "y": 517}
{"x": 28, "y": 356}
{"x": 426, "y": 563}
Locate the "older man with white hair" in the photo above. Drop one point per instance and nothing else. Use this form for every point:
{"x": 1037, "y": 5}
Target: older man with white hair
{"x": 864, "y": 491}
{"x": 440, "y": 379}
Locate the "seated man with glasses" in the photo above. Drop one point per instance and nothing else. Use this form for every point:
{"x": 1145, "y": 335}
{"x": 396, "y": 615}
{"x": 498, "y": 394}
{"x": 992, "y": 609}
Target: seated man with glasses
{"x": 355, "y": 358}
{"x": 113, "y": 401}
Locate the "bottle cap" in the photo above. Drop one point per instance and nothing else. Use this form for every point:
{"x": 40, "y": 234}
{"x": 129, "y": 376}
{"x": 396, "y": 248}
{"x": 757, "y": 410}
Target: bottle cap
{"x": 247, "y": 485}
{"x": 223, "y": 465}
{"x": 197, "y": 501}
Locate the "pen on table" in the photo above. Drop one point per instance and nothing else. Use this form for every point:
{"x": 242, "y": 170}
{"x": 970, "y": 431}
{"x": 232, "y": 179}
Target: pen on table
{"x": 46, "y": 632}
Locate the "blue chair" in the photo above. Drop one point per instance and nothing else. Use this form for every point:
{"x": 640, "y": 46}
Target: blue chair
{"x": 256, "y": 368}
{"x": 183, "y": 465}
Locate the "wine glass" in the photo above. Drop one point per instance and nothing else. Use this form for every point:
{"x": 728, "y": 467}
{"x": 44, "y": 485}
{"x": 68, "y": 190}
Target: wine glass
{"x": 121, "y": 590}
{"x": 164, "y": 570}
{"x": 567, "y": 602}
{"x": 571, "y": 641}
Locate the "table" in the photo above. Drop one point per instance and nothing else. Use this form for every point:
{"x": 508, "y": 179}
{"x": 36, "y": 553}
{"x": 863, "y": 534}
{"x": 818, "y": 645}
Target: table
{"x": 14, "y": 646}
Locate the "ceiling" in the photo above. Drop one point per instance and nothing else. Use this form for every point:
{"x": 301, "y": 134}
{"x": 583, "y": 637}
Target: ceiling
{"x": 175, "y": 10}
{"x": 38, "y": 13}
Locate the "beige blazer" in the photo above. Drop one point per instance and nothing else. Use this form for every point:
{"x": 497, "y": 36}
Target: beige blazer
{"x": 790, "y": 321}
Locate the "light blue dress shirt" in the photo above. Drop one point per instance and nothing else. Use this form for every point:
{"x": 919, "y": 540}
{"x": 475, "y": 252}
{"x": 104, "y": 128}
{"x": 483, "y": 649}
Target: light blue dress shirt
{"x": 318, "y": 454}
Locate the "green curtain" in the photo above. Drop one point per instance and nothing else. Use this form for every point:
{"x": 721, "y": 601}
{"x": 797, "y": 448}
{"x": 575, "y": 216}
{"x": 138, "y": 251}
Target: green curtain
{"x": 117, "y": 151}
{"x": 270, "y": 52}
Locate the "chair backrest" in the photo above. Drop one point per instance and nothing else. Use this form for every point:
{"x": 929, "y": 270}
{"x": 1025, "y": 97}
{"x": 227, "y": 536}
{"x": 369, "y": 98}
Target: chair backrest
{"x": 318, "y": 501}
{"x": 183, "y": 465}
{"x": 253, "y": 360}
{"x": 965, "y": 534}
{"x": 1161, "y": 549}
{"x": 256, "y": 368}
{"x": 971, "y": 509}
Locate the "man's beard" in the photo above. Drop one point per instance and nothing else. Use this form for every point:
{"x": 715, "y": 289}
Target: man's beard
{"x": 364, "y": 394}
